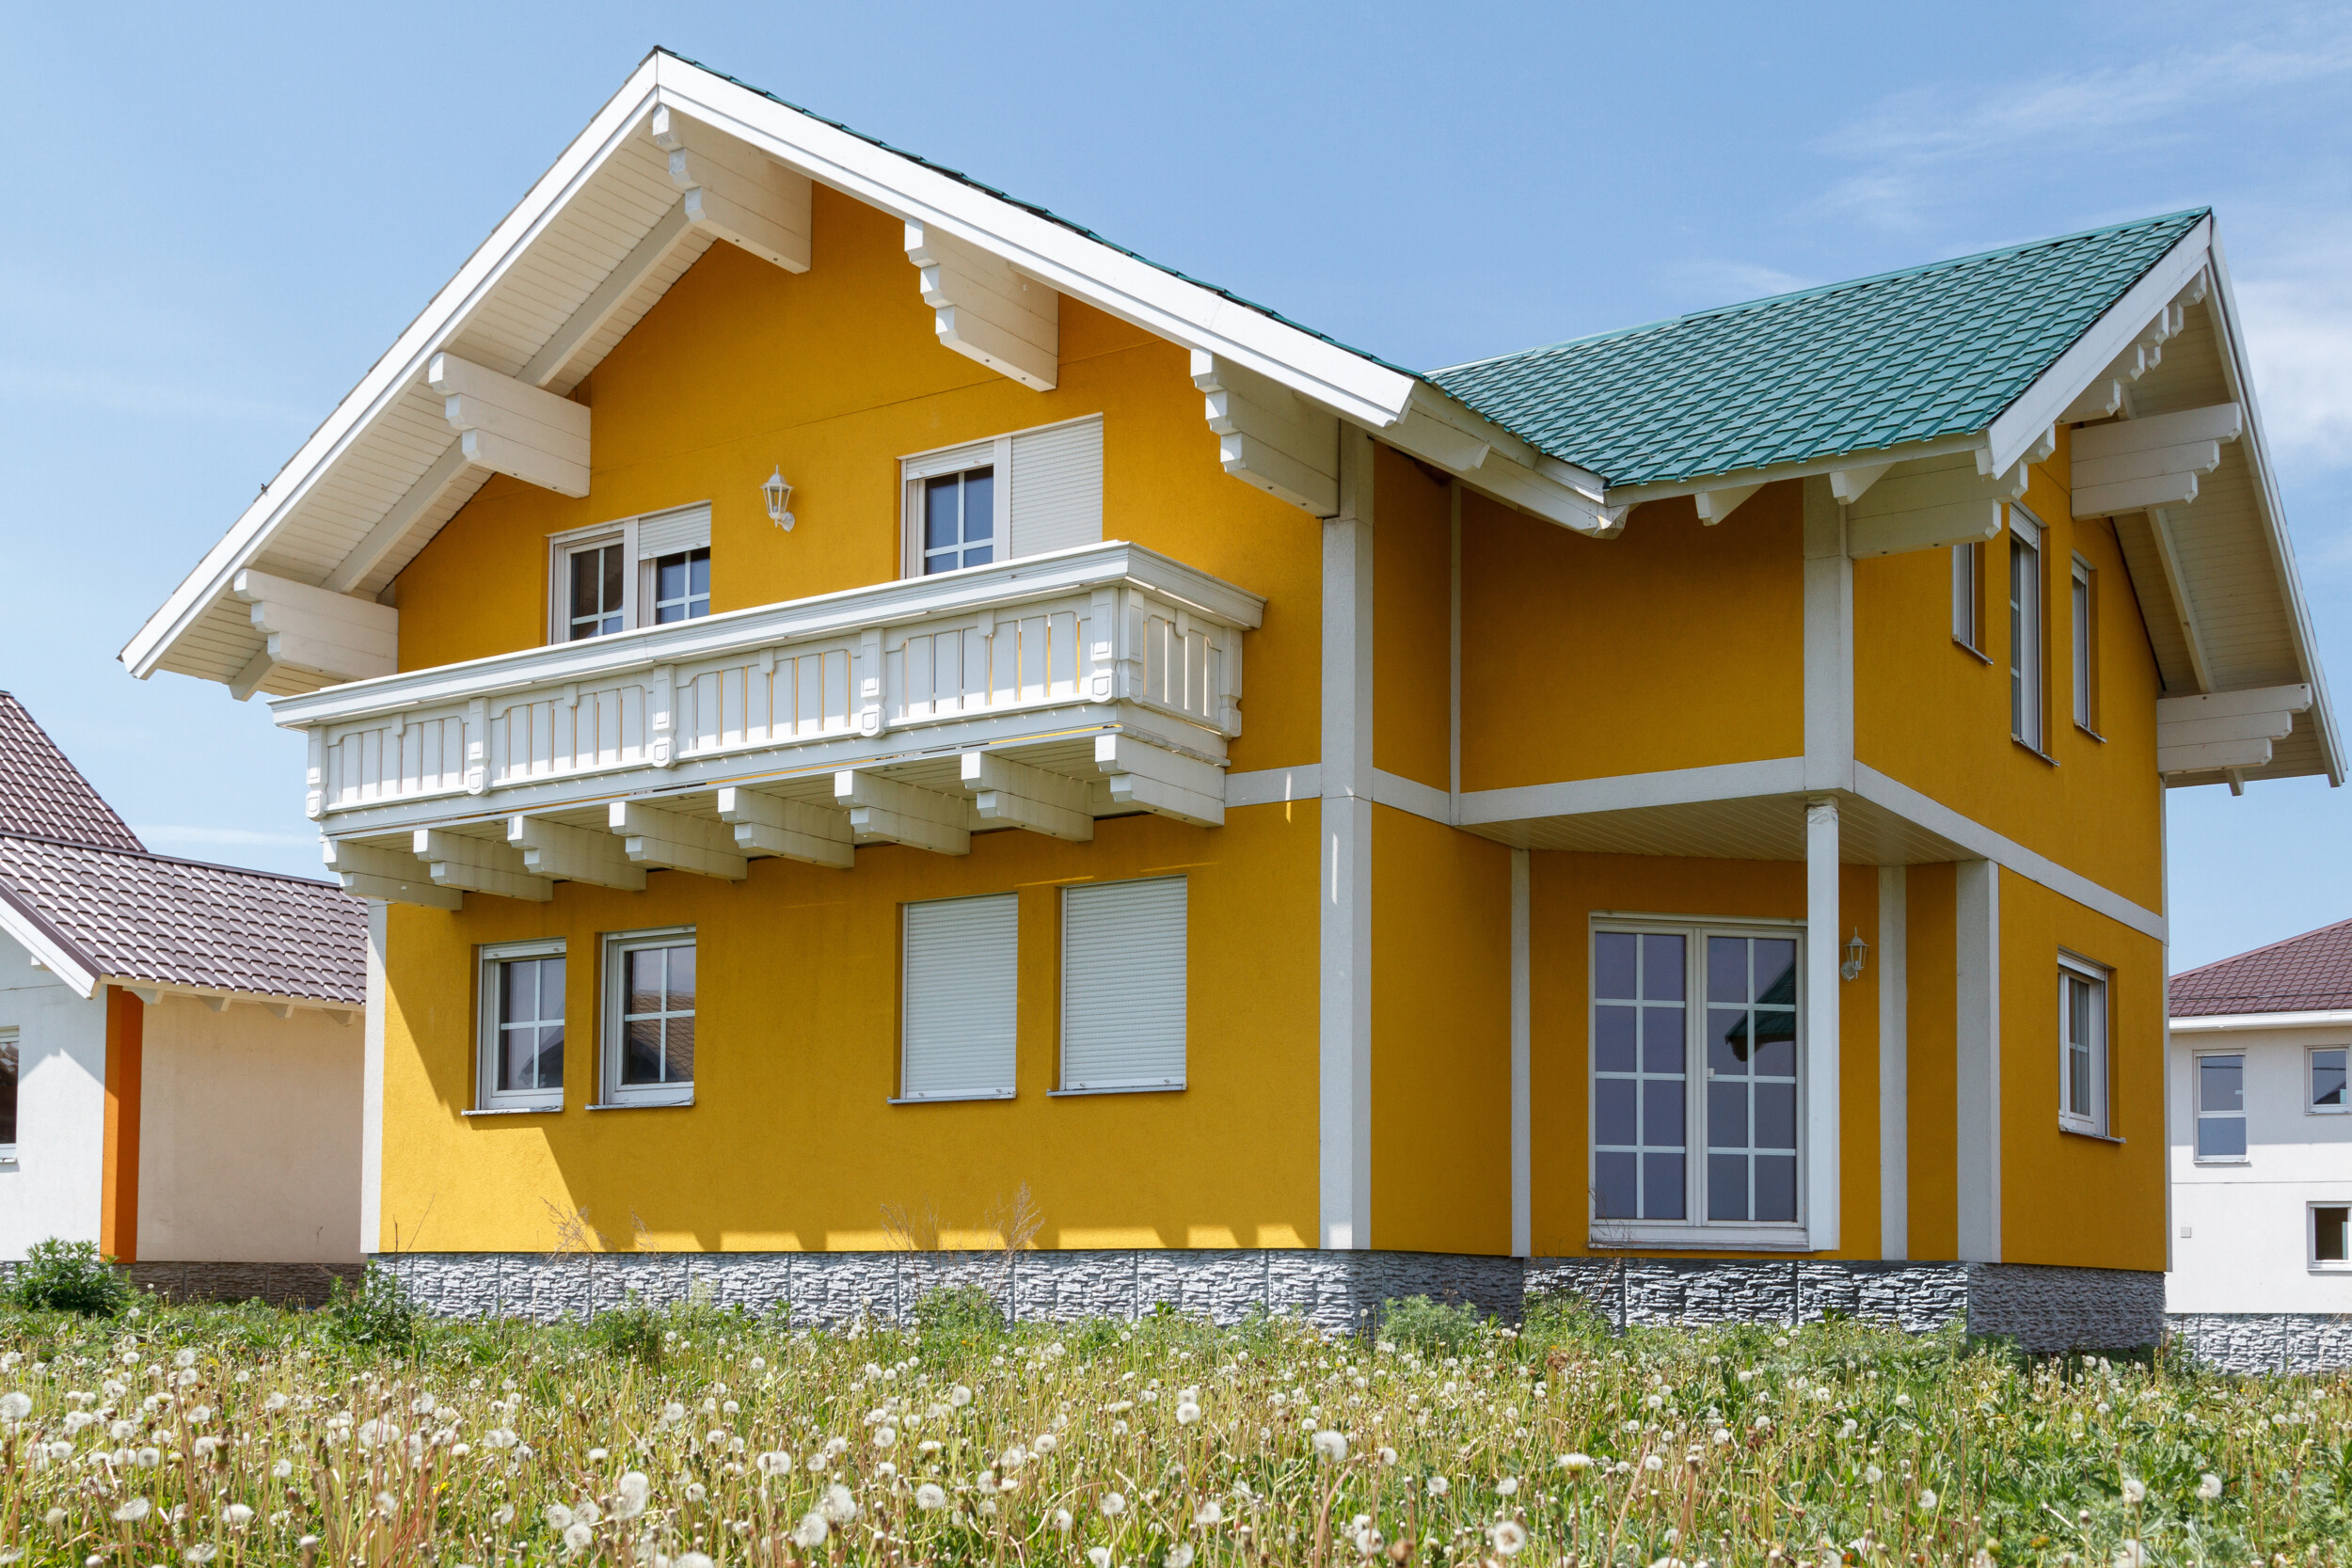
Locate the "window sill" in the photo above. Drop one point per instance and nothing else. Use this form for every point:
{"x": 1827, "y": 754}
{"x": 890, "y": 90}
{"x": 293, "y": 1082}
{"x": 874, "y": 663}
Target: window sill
{"x": 949, "y": 1099}
{"x": 1973, "y": 651}
{"x": 2086, "y": 1133}
{"x": 1719, "y": 1238}
{"x": 1117, "y": 1088}
{"x": 2033, "y": 750}
{"x": 2221, "y": 1159}
{"x": 515, "y": 1110}
{"x": 7, "y": 1156}
{"x": 646, "y": 1105}
{"x": 2082, "y": 728}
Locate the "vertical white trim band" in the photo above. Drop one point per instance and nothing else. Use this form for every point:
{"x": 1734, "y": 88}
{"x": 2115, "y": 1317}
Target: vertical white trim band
{"x": 1822, "y": 1148}
{"x": 1976, "y": 1092}
{"x": 1344, "y": 1167}
{"x": 1894, "y": 978}
{"x": 1454, "y": 654}
{"x": 372, "y": 1089}
{"x": 1522, "y": 1088}
{"x": 1828, "y": 642}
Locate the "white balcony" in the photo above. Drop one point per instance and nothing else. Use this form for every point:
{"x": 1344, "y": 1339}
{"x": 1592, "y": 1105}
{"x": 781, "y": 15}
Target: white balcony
{"x": 1039, "y": 694}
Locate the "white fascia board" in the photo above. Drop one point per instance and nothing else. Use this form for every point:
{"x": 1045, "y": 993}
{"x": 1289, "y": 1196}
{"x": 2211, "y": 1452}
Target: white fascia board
{"x": 2222, "y": 300}
{"x": 2215, "y": 1023}
{"x": 66, "y": 963}
{"x": 1669, "y": 489}
{"x": 2032, "y": 412}
{"x": 1111, "y": 281}
{"x": 402, "y": 363}
{"x": 222, "y": 994}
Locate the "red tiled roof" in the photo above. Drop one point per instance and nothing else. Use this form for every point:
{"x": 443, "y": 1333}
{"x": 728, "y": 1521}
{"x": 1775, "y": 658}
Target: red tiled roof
{"x": 42, "y": 793}
{"x": 2309, "y": 974}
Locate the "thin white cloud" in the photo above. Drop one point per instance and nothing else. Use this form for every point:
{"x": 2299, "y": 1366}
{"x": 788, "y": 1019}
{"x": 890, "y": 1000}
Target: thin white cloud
{"x": 58, "y": 385}
{"x": 2298, "y": 332}
{"x": 1717, "y": 281}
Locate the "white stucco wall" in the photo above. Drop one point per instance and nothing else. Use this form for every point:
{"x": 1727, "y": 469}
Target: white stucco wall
{"x": 53, "y": 1188}
{"x": 249, "y": 1137}
{"x": 2239, "y": 1240}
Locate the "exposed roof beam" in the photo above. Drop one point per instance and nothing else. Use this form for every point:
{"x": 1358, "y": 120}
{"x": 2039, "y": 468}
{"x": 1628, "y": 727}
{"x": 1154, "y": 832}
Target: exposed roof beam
{"x": 562, "y": 853}
{"x": 1715, "y": 506}
{"x": 2132, "y": 465}
{"x": 1849, "y": 485}
{"x": 513, "y": 428}
{"x": 393, "y": 876}
{"x": 736, "y": 193}
{"x": 1269, "y": 436}
{"x": 1910, "y": 451}
{"x": 673, "y": 840}
{"x": 621, "y": 282}
{"x": 985, "y": 310}
{"x": 318, "y": 631}
{"x": 479, "y": 865}
{"x": 1161, "y": 781}
{"x": 393, "y": 526}
{"x": 2227, "y": 730}
{"x": 2183, "y": 608}
{"x": 885, "y": 811}
{"x": 794, "y": 830}
{"x": 1950, "y": 504}
{"x": 1017, "y": 795}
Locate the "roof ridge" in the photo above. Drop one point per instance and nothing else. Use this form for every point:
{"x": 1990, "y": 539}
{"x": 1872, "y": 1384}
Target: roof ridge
{"x": 1815, "y": 291}
{"x": 2265, "y": 947}
{"x": 172, "y": 859}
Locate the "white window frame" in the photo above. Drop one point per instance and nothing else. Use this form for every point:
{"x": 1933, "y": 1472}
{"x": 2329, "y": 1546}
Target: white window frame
{"x": 1697, "y": 1232}
{"x": 1075, "y": 894}
{"x": 489, "y": 1027}
{"x": 1008, "y": 1088}
{"x": 2083, "y": 601}
{"x": 10, "y": 1037}
{"x": 2197, "y": 1112}
{"x": 995, "y": 451}
{"x": 2028, "y": 656}
{"x": 637, "y": 588}
{"x": 2073, "y": 972}
{"x": 2312, "y": 1259}
{"x": 1968, "y": 598}
{"x": 612, "y": 1023}
{"x": 2311, "y": 1066}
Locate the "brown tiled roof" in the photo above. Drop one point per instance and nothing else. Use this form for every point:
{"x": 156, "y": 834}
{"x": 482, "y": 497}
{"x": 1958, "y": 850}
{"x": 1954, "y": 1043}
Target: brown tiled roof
{"x": 2309, "y": 974}
{"x": 43, "y": 793}
{"x": 142, "y": 917}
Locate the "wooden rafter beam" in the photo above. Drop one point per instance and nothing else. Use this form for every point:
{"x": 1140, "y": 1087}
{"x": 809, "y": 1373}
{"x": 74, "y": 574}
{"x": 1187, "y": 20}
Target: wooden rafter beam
{"x": 986, "y": 311}
{"x": 1017, "y": 794}
{"x": 793, "y": 830}
{"x": 737, "y": 192}
{"x": 513, "y": 428}
{"x": 652, "y": 836}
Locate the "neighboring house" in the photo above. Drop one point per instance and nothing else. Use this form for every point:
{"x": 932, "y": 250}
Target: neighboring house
{"x": 2262, "y": 1155}
{"x": 179, "y": 1047}
{"x": 771, "y": 639}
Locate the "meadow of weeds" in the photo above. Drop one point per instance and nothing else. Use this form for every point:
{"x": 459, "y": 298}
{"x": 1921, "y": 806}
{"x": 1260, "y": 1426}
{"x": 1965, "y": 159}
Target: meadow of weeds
{"x": 697, "y": 1437}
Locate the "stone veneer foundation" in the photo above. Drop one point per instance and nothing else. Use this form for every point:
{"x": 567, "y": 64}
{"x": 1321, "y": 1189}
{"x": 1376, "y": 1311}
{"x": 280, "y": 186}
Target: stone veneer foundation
{"x": 2264, "y": 1341}
{"x": 2042, "y": 1308}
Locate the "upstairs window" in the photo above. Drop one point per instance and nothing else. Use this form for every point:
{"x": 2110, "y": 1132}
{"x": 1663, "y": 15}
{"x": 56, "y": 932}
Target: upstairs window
{"x": 1969, "y": 596}
{"x": 2221, "y": 1106}
{"x": 2086, "y": 648}
{"x": 9, "y": 1070}
{"x": 649, "y": 1017}
{"x": 2082, "y": 1049}
{"x": 987, "y": 502}
{"x": 522, "y": 1043}
{"x": 645, "y": 571}
{"x": 2328, "y": 1077}
{"x": 2026, "y": 663}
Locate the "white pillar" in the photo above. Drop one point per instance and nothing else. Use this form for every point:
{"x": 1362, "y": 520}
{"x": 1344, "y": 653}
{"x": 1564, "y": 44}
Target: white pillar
{"x": 371, "y": 1090}
{"x": 1522, "y": 1092}
{"x": 1976, "y": 1092}
{"x": 1821, "y": 938}
{"x": 1894, "y": 983}
{"x": 1346, "y": 1108}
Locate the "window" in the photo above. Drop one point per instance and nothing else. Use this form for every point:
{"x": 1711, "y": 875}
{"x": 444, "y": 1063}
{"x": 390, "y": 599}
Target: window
{"x": 523, "y": 1027}
{"x": 960, "y": 1005}
{"x": 649, "y": 1017}
{"x": 645, "y": 571}
{"x": 2222, "y": 1107}
{"x": 1122, "y": 985}
{"x": 9, "y": 1070}
{"x": 2082, "y": 1049}
{"x": 1969, "y": 596}
{"x": 2328, "y": 1081}
{"x": 2330, "y": 1235}
{"x": 2085, "y": 621}
{"x": 987, "y": 502}
{"x": 1722, "y": 1071}
{"x": 2024, "y": 627}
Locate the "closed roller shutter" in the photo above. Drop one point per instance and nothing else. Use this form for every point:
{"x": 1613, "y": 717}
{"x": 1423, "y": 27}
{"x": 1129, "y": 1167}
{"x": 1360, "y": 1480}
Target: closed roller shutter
{"x": 1123, "y": 970}
{"x": 960, "y": 999}
{"x": 662, "y": 534}
{"x": 1057, "y": 487}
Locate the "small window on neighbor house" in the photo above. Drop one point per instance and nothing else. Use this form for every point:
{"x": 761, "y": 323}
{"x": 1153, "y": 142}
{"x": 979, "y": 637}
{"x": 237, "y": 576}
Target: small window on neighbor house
{"x": 1124, "y": 975}
{"x": 2328, "y": 1080}
{"x": 2082, "y": 1050}
{"x": 961, "y": 1004}
{"x": 521, "y": 1042}
{"x": 649, "y": 1017}
{"x": 2026, "y": 663}
{"x": 2222, "y": 1107}
{"x": 645, "y": 571}
{"x": 8, "y": 1069}
{"x": 2331, "y": 1233}
{"x": 2085, "y": 645}
{"x": 1969, "y": 596}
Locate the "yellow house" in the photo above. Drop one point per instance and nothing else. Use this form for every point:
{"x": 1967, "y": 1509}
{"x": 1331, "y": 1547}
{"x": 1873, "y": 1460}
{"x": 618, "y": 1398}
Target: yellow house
{"x": 881, "y": 724}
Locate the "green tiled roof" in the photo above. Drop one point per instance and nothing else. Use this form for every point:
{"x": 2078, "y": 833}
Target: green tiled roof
{"x": 1909, "y": 356}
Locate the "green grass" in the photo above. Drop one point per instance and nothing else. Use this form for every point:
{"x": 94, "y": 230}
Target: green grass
{"x": 251, "y": 1436}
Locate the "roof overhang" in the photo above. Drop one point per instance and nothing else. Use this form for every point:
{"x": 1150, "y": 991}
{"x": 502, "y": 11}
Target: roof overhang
{"x": 85, "y": 974}
{"x": 2219, "y": 1023}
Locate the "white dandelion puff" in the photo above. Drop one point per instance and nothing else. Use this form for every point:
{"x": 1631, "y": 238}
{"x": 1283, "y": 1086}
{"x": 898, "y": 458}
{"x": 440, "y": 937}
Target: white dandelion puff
{"x": 275, "y": 1401}
{"x": 930, "y": 1497}
{"x": 1186, "y": 1414}
{"x": 236, "y": 1515}
{"x": 1927, "y": 1501}
{"x": 2134, "y": 1490}
{"x": 578, "y": 1538}
{"x": 1509, "y": 1537}
{"x": 183, "y": 1358}
{"x": 1179, "y": 1556}
{"x": 201, "y": 1553}
{"x": 1652, "y": 1462}
{"x": 958, "y": 1396}
{"x": 14, "y": 1406}
{"x": 1208, "y": 1514}
{"x": 811, "y": 1532}
{"x": 1576, "y": 1464}
{"x": 1439, "y": 1487}
{"x": 2131, "y": 1554}
{"x": 1062, "y": 1520}
{"x": 133, "y": 1510}
{"x": 559, "y": 1517}
{"x": 1330, "y": 1445}
{"x": 885, "y": 1437}
{"x": 2208, "y": 1487}
{"x": 691, "y": 1559}
{"x": 1113, "y": 1505}
{"x": 775, "y": 1464}
{"x": 838, "y": 1506}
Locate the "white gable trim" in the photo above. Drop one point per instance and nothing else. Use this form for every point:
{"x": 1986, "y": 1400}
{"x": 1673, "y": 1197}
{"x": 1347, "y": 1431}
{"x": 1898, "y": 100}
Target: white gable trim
{"x": 66, "y": 963}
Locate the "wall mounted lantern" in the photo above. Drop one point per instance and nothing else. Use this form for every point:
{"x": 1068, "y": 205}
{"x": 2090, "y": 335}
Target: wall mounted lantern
{"x": 1856, "y": 951}
{"x": 779, "y": 496}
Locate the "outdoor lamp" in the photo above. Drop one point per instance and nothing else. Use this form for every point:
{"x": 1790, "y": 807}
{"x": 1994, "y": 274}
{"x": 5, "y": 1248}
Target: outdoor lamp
{"x": 1856, "y": 951}
{"x": 779, "y": 496}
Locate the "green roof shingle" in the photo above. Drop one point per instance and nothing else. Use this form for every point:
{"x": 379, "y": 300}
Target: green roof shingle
{"x": 1909, "y": 356}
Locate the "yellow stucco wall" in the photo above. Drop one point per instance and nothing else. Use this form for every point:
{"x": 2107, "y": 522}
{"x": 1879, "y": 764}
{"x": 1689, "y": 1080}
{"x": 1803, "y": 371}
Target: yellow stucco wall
{"x": 1936, "y": 717}
{"x": 1931, "y": 1021}
{"x": 1441, "y": 1037}
{"x": 1412, "y": 621}
{"x": 791, "y": 1143}
{"x": 1673, "y": 646}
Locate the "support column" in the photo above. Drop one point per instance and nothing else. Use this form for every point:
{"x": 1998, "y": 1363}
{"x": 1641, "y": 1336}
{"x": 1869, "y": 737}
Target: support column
{"x": 1522, "y": 1086}
{"x": 1894, "y": 978}
{"x": 1828, "y": 642}
{"x": 1346, "y": 1108}
{"x": 119, "y": 1184}
{"x": 1976, "y": 1093}
{"x": 1822, "y": 1143}
{"x": 371, "y": 1090}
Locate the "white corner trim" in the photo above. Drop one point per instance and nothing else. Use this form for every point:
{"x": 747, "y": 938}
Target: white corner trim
{"x": 63, "y": 962}
{"x": 1824, "y": 1165}
{"x": 1978, "y": 839}
{"x": 1270, "y": 787}
{"x": 1893, "y": 964}
{"x": 1402, "y": 794}
{"x": 372, "y": 1088}
{"x": 1677, "y": 786}
{"x": 1522, "y": 1075}
{"x": 1977, "y": 1059}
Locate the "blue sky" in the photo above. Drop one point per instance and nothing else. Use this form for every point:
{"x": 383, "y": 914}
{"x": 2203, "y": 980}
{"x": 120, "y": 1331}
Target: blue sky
{"x": 219, "y": 216}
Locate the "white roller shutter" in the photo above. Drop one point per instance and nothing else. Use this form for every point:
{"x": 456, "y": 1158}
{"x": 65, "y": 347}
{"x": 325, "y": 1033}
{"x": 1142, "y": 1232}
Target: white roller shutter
{"x": 1123, "y": 971}
{"x": 660, "y": 533}
{"x": 1057, "y": 487}
{"x": 961, "y": 999}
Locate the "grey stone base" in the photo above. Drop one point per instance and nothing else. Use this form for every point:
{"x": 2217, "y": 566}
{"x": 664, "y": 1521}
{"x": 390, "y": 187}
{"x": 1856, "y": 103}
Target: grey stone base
{"x": 2042, "y": 1308}
{"x": 278, "y": 1284}
{"x": 2264, "y": 1341}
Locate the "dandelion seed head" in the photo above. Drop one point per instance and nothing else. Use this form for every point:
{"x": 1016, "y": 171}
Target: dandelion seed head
{"x": 1509, "y": 1537}
{"x": 2208, "y": 1487}
{"x": 14, "y": 1406}
{"x": 1114, "y": 1504}
{"x": 931, "y": 1496}
{"x": 811, "y": 1532}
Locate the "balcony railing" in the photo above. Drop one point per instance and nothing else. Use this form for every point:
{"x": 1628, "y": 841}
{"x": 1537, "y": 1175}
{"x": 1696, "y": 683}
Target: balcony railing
{"x": 894, "y": 682}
